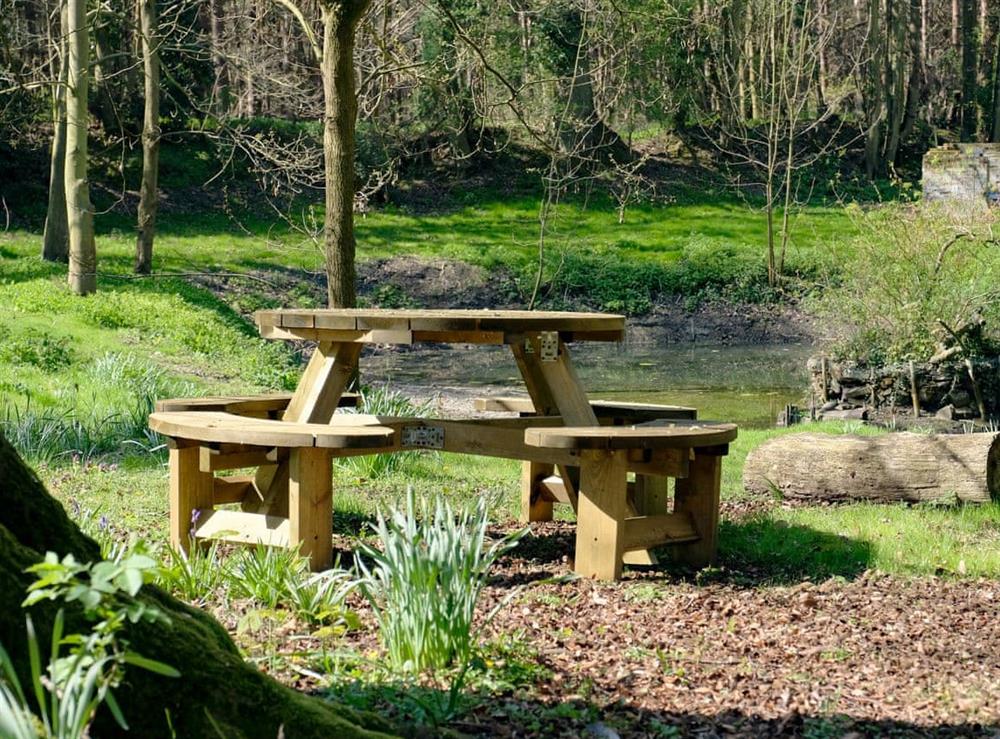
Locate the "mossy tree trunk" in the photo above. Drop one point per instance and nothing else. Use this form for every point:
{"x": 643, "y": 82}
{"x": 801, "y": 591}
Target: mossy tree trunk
{"x": 216, "y": 687}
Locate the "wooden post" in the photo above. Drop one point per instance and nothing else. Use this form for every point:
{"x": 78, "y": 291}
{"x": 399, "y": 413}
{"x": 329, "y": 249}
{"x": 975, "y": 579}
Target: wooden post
{"x": 601, "y": 514}
{"x": 533, "y": 508}
{"x": 310, "y": 505}
{"x": 698, "y": 496}
{"x": 914, "y": 391}
{"x": 823, "y": 393}
{"x": 190, "y": 490}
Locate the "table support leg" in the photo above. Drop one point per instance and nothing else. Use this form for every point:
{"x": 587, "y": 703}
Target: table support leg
{"x": 698, "y": 495}
{"x": 533, "y": 508}
{"x": 316, "y": 398}
{"x": 310, "y": 505}
{"x": 601, "y": 514}
{"x": 190, "y": 490}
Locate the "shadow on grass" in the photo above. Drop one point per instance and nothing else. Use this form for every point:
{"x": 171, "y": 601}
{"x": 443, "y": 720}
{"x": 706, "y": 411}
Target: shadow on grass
{"x": 419, "y": 711}
{"x": 753, "y": 551}
{"x": 761, "y": 549}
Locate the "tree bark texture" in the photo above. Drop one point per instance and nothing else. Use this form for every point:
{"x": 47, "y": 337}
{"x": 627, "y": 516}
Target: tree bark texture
{"x": 340, "y": 20}
{"x": 148, "y": 197}
{"x": 79, "y": 211}
{"x": 969, "y": 71}
{"x": 904, "y": 467}
{"x": 243, "y": 702}
{"x": 55, "y": 239}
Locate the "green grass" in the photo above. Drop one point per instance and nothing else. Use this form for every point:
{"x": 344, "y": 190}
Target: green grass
{"x": 483, "y": 228}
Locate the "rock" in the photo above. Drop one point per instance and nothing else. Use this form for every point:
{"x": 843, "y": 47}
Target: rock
{"x": 946, "y": 413}
{"x": 829, "y": 405}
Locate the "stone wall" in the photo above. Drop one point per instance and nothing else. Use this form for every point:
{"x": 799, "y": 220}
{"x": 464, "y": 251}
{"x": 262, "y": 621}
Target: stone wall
{"x": 962, "y": 172}
{"x": 850, "y": 390}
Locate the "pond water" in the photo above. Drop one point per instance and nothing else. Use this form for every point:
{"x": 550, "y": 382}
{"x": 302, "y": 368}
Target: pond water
{"x": 749, "y": 385}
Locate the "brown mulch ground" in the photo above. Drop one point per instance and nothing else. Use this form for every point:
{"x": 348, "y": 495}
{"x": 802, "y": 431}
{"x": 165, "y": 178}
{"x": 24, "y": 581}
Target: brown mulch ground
{"x": 893, "y": 655}
{"x": 660, "y": 655}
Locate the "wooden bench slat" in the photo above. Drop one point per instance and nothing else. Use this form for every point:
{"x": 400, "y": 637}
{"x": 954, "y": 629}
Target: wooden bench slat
{"x": 662, "y": 435}
{"x": 242, "y": 528}
{"x": 241, "y": 404}
{"x": 646, "y": 532}
{"x": 603, "y": 409}
{"x": 212, "y": 426}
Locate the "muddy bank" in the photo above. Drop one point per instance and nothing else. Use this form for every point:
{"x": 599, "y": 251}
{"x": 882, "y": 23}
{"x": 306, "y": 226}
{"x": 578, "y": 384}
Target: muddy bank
{"x": 408, "y": 282}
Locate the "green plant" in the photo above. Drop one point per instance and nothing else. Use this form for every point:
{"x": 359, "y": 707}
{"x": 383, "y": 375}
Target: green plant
{"x": 425, "y": 580}
{"x": 274, "y": 577}
{"x": 262, "y": 574}
{"x": 194, "y": 575}
{"x": 319, "y": 598}
{"x": 74, "y": 685}
{"x": 921, "y": 272}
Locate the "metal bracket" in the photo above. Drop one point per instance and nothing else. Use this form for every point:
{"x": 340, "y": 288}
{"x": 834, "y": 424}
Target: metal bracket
{"x": 423, "y": 437}
{"x": 548, "y": 346}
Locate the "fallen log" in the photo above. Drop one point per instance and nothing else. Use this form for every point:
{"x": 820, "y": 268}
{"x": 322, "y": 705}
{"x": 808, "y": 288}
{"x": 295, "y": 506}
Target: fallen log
{"x": 904, "y": 467}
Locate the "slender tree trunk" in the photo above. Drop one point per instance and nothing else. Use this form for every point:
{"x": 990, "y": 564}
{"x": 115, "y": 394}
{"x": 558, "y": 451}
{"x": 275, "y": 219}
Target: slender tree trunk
{"x": 995, "y": 83}
{"x": 969, "y": 108}
{"x": 55, "y": 240}
{"x": 148, "y": 199}
{"x": 340, "y": 113}
{"x": 220, "y": 87}
{"x": 875, "y": 92}
{"x": 915, "y": 85}
{"x": 80, "y": 212}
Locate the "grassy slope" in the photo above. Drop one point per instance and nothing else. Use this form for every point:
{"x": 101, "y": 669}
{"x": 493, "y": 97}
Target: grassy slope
{"x": 488, "y": 229}
{"x": 90, "y": 360}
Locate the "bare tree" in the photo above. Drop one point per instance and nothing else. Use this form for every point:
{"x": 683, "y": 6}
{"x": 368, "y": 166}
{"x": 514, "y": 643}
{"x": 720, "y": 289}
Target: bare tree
{"x": 787, "y": 37}
{"x": 55, "y": 239}
{"x": 80, "y": 211}
{"x": 333, "y": 49}
{"x": 148, "y": 199}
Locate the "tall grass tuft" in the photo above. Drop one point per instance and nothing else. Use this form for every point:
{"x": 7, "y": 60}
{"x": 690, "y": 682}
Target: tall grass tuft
{"x": 425, "y": 580}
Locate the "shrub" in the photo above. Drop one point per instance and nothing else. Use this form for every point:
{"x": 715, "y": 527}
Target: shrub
{"x": 426, "y": 579}
{"x": 917, "y": 270}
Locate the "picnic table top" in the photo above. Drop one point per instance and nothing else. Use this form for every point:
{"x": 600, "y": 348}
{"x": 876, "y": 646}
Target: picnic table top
{"x": 368, "y": 325}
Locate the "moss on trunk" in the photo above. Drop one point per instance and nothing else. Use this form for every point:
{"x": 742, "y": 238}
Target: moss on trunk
{"x": 216, "y": 687}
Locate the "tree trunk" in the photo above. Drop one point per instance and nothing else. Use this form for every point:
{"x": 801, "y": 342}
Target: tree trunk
{"x": 216, "y": 688}
{"x": 55, "y": 240}
{"x": 221, "y": 99}
{"x": 148, "y": 199}
{"x": 969, "y": 71}
{"x": 895, "y": 467}
{"x": 79, "y": 211}
{"x": 340, "y": 113}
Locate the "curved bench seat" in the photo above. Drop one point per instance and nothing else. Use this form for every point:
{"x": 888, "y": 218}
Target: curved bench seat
{"x": 655, "y": 435}
{"x": 220, "y": 427}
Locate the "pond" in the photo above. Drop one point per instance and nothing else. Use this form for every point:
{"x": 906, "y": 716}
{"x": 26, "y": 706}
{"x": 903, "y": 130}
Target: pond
{"x": 749, "y": 385}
